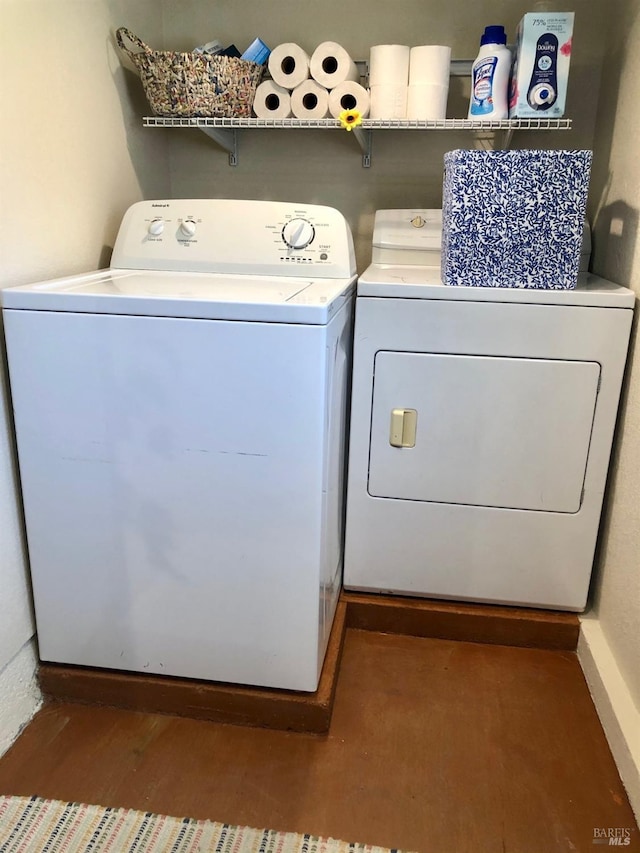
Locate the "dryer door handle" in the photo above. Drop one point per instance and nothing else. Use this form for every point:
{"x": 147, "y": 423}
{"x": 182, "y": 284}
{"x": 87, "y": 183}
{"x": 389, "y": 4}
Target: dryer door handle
{"x": 402, "y": 432}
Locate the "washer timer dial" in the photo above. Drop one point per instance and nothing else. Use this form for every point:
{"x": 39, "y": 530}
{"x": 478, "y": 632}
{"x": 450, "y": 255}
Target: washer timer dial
{"x": 298, "y": 233}
{"x": 156, "y": 227}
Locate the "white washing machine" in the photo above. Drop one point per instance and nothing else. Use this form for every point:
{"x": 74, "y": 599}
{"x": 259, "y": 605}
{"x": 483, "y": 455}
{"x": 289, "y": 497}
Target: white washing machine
{"x": 481, "y": 428}
{"x": 181, "y": 424}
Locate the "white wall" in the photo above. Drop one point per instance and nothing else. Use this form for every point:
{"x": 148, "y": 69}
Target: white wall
{"x": 73, "y": 156}
{"x": 610, "y": 642}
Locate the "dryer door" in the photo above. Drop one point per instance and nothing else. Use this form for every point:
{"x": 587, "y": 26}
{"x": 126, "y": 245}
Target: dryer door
{"x": 496, "y": 432}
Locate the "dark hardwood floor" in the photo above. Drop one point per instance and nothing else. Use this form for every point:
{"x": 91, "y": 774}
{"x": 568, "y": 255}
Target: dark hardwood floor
{"x": 435, "y": 746}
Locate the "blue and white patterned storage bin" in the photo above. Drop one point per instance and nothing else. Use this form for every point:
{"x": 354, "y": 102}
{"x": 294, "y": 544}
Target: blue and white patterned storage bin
{"x": 514, "y": 218}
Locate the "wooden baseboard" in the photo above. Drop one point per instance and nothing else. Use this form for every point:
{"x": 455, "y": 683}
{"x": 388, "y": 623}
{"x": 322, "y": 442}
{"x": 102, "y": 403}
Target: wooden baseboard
{"x": 475, "y": 623}
{"x": 225, "y": 703}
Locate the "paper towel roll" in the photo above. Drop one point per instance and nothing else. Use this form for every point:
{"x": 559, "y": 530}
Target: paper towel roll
{"x": 388, "y": 102}
{"x": 389, "y": 65}
{"x": 349, "y": 96}
{"x": 331, "y": 65}
{"x": 310, "y": 100}
{"x": 288, "y": 65}
{"x": 429, "y": 63}
{"x": 272, "y": 101}
{"x": 427, "y": 102}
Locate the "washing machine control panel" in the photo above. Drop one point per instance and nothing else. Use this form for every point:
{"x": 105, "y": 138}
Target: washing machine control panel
{"x": 235, "y": 236}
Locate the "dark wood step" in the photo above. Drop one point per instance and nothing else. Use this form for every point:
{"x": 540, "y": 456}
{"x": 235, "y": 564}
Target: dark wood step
{"x": 204, "y": 700}
{"x": 305, "y": 712}
{"x": 473, "y": 623}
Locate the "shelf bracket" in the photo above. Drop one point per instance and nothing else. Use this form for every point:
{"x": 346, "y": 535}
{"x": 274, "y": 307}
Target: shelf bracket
{"x": 363, "y": 138}
{"x": 226, "y": 139}
{"x": 508, "y": 136}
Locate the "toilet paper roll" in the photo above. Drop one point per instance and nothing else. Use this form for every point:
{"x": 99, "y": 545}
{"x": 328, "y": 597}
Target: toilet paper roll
{"x": 389, "y": 65}
{"x": 331, "y": 65}
{"x": 272, "y": 101}
{"x": 429, "y": 63}
{"x": 310, "y": 100}
{"x": 349, "y": 96}
{"x": 288, "y": 65}
{"x": 388, "y": 102}
{"x": 427, "y": 102}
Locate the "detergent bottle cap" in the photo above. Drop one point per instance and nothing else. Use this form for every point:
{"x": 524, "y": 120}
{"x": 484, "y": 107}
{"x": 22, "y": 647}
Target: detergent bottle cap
{"x": 494, "y": 35}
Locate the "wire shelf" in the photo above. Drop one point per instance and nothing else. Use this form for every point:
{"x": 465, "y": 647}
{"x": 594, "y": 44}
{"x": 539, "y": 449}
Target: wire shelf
{"x": 223, "y": 131}
{"x": 367, "y": 124}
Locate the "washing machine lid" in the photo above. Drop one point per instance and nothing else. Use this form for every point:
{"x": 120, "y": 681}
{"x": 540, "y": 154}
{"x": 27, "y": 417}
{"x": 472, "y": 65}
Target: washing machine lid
{"x": 195, "y": 295}
{"x": 423, "y": 282}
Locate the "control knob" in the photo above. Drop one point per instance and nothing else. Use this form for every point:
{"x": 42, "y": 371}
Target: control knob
{"x": 188, "y": 227}
{"x": 298, "y": 233}
{"x": 156, "y": 227}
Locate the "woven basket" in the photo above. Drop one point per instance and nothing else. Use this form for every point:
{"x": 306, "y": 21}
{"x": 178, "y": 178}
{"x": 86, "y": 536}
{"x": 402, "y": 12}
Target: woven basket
{"x": 193, "y": 84}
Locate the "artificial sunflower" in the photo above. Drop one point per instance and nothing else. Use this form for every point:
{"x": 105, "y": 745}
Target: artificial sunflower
{"x": 350, "y": 119}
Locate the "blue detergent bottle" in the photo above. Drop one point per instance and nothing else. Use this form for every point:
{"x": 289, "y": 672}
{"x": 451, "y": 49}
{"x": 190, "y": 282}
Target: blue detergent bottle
{"x": 490, "y": 76}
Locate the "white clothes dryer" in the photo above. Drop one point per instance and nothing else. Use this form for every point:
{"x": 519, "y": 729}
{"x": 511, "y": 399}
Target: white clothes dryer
{"x": 481, "y": 427}
{"x": 181, "y": 422}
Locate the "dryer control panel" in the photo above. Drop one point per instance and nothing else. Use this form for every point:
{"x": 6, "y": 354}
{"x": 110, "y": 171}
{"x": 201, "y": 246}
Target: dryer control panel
{"x": 235, "y": 237}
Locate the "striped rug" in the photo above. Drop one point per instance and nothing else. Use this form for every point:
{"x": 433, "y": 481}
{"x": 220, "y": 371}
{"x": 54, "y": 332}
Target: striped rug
{"x": 34, "y": 825}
